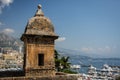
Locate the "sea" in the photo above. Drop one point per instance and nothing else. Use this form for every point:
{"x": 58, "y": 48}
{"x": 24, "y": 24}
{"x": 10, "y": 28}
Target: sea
{"x": 96, "y": 62}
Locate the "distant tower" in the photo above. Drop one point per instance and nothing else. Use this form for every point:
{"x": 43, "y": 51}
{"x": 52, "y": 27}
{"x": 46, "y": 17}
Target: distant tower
{"x": 39, "y": 38}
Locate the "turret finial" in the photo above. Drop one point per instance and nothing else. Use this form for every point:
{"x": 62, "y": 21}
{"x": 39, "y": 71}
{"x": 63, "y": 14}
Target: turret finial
{"x": 39, "y": 11}
{"x": 39, "y": 6}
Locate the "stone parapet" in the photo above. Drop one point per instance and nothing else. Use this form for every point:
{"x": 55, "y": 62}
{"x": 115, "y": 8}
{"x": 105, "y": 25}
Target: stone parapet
{"x": 57, "y": 77}
{"x": 40, "y": 72}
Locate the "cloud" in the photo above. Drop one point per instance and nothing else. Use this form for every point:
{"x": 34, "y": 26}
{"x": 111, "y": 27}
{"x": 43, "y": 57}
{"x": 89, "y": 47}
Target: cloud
{"x": 100, "y": 49}
{"x": 87, "y": 49}
{"x": 1, "y": 24}
{"x": 60, "y": 39}
{"x": 4, "y": 3}
{"x": 8, "y": 31}
{"x": 105, "y": 49}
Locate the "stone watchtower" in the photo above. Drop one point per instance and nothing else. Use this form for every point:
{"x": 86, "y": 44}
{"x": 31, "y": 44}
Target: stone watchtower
{"x": 39, "y": 38}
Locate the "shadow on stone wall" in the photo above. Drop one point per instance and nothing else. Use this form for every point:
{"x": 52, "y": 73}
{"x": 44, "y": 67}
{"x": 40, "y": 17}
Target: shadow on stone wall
{"x": 11, "y": 73}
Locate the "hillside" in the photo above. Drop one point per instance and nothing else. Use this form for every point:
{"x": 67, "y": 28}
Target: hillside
{"x": 7, "y": 41}
{"x": 5, "y": 37}
{"x": 76, "y": 57}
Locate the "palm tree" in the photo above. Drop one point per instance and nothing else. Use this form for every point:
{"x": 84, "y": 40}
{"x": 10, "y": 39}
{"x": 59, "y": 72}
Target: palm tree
{"x": 61, "y": 63}
{"x": 57, "y": 60}
{"x": 64, "y": 63}
{"x": 56, "y": 54}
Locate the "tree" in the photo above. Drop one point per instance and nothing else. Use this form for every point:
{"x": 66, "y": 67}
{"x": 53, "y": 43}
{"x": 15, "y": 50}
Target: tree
{"x": 57, "y": 60}
{"x": 61, "y": 63}
{"x": 56, "y": 55}
{"x": 64, "y": 62}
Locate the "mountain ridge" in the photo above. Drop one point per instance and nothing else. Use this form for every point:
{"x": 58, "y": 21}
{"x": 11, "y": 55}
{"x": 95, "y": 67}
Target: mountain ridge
{"x": 10, "y": 42}
{"x": 6, "y": 37}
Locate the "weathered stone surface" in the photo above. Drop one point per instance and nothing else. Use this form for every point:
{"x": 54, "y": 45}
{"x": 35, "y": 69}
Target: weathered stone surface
{"x": 40, "y": 25}
{"x": 40, "y": 72}
{"x": 62, "y": 77}
{"x": 38, "y": 41}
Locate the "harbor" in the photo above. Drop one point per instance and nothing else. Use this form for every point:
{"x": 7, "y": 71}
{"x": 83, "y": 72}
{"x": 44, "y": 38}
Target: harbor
{"x": 105, "y": 73}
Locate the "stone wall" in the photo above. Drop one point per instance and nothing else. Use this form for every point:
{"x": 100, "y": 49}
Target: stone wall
{"x": 34, "y": 47}
{"x": 40, "y": 72}
{"x": 58, "y": 77}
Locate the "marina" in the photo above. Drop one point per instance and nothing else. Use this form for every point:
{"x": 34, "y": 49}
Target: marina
{"x": 105, "y": 73}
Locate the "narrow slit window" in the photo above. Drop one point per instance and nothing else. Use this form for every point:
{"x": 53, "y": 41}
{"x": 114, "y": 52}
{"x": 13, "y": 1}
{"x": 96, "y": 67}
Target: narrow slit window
{"x": 40, "y": 59}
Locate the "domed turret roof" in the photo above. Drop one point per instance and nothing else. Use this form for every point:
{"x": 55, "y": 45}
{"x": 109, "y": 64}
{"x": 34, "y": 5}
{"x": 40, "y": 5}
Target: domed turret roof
{"x": 39, "y": 24}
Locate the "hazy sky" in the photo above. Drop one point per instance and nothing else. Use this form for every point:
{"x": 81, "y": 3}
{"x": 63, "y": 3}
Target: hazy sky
{"x": 89, "y": 26}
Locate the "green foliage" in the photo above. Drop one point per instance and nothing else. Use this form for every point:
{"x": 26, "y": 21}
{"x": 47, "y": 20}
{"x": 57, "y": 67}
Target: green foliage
{"x": 57, "y": 61}
{"x": 69, "y": 71}
{"x": 62, "y": 64}
{"x": 56, "y": 54}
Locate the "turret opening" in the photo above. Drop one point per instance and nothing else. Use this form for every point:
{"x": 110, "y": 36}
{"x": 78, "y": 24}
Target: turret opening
{"x": 40, "y": 59}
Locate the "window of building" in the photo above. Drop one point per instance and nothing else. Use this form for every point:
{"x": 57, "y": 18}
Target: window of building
{"x": 41, "y": 59}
